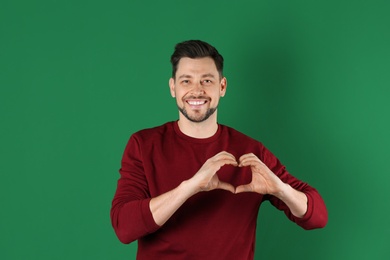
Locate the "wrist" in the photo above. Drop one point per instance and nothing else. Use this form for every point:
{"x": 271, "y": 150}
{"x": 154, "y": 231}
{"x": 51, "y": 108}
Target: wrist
{"x": 294, "y": 199}
{"x": 283, "y": 192}
{"x": 189, "y": 187}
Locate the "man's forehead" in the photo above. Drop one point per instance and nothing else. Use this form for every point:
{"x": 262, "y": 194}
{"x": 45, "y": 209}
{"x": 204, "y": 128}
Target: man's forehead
{"x": 198, "y": 66}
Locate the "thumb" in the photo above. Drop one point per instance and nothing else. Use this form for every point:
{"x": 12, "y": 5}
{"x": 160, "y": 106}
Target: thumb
{"x": 243, "y": 188}
{"x": 226, "y": 186}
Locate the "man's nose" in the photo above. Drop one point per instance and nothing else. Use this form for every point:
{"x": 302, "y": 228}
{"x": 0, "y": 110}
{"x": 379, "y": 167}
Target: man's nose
{"x": 198, "y": 88}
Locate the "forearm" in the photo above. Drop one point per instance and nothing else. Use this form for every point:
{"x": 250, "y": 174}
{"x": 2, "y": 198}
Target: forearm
{"x": 295, "y": 200}
{"x": 134, "y": 217}
{"x": 164, "y": 206}
{"x": 131, "y": 219}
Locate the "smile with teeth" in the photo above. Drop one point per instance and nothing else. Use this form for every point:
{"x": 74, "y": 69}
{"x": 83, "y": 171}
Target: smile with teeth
{"x": 196, "y": 102}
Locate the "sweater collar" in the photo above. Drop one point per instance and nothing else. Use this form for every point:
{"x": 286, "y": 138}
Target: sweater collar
{"x": 196, "y": 140}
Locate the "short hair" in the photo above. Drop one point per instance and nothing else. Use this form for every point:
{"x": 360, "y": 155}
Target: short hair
{"x": 196, "y": 49}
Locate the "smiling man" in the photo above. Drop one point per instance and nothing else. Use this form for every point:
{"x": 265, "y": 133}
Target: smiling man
{"x": 193, "y": 76}
{"x": 192, "y": 188}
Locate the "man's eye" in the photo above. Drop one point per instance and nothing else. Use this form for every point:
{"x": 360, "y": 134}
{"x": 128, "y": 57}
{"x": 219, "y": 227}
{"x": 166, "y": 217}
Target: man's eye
{"x": 207, "y": 81}
{"x": 185, "y": 81}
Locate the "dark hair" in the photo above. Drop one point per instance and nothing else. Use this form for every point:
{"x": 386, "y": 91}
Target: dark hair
{"x": 196, "y": 49}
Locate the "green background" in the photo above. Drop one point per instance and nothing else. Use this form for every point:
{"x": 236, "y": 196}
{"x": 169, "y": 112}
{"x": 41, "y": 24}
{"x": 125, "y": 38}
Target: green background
{"x": 310, "y": 79}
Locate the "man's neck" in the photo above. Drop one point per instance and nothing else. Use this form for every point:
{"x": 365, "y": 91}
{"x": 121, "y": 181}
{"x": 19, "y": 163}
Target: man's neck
{"x": 199, "y": 130}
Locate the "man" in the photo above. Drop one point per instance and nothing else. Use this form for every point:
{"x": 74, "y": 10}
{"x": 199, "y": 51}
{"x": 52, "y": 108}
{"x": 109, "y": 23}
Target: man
{"x": 191, "y": 189}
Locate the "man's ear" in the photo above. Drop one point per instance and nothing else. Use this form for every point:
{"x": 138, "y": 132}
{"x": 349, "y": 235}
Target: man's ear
{"x": 223, "y": 87}
{"x": 172, "y": 87}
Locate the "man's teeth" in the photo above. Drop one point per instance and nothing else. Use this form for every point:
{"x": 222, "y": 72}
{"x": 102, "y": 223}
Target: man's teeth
{"x": 196, "y": 103}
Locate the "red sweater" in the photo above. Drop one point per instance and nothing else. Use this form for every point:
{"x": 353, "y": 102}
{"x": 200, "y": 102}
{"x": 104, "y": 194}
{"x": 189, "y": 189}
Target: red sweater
{"x": 210, "y": 225}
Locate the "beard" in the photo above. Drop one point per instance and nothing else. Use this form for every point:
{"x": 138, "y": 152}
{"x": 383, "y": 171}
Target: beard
{"x": 197, "y": 118}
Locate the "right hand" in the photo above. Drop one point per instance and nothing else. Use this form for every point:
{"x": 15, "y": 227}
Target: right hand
{"x": 206, "y": 178}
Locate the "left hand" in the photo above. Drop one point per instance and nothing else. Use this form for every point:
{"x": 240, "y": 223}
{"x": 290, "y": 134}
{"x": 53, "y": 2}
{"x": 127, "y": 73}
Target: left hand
{"x": 264, "y": 181}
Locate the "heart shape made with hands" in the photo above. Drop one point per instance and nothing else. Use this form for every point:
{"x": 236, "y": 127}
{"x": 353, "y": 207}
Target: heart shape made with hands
{"x": 251, "y": 174}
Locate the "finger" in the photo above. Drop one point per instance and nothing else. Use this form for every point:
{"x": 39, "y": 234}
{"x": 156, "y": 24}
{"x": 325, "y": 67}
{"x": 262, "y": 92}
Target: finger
{"x": 250, "y": 162}
{"x": 219, "y": 164}
{"x": 244, "y": 188}
{"x": 229, "y": 161}
{"x": 225, "y": 154}
{"x": 223, "y": 159}
{"x": 246, "y": 157}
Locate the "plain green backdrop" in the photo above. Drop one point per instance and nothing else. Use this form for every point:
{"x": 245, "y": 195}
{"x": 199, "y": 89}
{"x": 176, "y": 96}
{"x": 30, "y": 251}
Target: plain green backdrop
{"x": 310, "y": 79}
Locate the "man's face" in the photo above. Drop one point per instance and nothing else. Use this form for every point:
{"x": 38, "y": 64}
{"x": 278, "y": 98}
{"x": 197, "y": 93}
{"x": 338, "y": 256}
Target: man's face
{"x": 197, "y": 87}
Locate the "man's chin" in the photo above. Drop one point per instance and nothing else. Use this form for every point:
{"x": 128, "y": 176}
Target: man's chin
{"x": 196, "y": 116}
{"x": 197, "y": 119}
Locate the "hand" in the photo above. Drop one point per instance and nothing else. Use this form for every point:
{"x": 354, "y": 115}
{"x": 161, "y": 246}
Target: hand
{"x": 206, "y": 178}
{"x": 264, "y": 181}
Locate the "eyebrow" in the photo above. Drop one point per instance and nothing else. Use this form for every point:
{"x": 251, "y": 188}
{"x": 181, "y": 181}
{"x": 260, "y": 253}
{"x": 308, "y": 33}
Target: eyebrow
{"x": 208, "y": 75}
{"x": 203, "y": 76}
{"x": 184, "y": 76}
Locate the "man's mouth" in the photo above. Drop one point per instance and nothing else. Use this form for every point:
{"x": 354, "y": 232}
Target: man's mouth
{"x": 196, "y": 102}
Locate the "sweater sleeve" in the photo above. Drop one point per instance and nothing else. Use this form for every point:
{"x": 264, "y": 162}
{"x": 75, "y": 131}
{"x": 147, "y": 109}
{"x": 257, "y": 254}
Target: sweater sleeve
{"x": 316, "y": 215}
{"x": 131, "y": 217}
